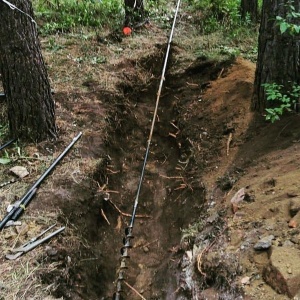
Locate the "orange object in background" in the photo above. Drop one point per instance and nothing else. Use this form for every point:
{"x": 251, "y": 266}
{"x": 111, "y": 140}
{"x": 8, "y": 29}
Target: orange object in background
{"x": 127, "y": 31}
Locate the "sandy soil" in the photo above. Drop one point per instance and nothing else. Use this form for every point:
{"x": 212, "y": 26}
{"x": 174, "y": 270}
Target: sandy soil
{"x": 206, "y": 146}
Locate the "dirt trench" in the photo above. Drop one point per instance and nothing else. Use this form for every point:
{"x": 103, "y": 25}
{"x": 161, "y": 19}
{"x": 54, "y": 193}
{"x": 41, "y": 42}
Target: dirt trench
{"x": 172, "y": 194}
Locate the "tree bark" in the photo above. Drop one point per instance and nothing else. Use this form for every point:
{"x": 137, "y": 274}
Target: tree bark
{"x": 278, "y": 54}
{"x": 30, "y": 105}
{"x": 134, "y": 12}
{"x": 249, "y": 8}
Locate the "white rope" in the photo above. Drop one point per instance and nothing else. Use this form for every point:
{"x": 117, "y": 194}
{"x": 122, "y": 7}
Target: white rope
{"x": 13, "y": 7}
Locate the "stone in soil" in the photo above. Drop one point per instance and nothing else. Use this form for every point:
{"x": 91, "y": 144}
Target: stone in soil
{"x": 264, "y": 243}
{"x": 283, "y": 271}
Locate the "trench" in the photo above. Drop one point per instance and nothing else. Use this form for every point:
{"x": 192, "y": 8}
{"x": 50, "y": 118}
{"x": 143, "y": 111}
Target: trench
{"x": 172, "y": 194}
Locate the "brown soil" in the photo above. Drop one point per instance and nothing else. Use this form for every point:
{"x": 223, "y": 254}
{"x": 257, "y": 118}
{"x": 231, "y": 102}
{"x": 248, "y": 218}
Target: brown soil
{"x": 207, "y": 144}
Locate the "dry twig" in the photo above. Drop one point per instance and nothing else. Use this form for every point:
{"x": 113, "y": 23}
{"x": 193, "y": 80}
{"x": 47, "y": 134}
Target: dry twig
{"x": 228, "y": 143}
{"x": 104, "y": 216}
{"x": 126, "y": 214}
{"x": 132, "y": 288}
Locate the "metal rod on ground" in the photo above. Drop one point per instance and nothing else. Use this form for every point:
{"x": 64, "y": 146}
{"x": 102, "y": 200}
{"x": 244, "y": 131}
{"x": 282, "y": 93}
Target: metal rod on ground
{"x": 18, "y": 210}
{"x": 128, "y": 231}
{"x": 10, "y": 214}
{"x": 45, "y": 174}
{"x": 7, "y": 144}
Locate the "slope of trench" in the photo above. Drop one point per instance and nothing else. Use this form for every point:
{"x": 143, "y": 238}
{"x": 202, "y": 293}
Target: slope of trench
{"x": 169, "y": 200}
{"x": 172, "y": 194}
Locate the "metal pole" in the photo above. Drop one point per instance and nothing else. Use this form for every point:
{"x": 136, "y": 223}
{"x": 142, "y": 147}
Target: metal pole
{"x": 44, "y": 175}
{"x": 7, "y": 144}
{"x": 18, "y": 210}
{"x": 128, "y": 231}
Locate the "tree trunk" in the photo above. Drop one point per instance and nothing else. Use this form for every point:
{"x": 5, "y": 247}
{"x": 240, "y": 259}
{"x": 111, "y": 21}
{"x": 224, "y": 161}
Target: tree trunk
{"x": 30, "y": 105}
{"x": 278, "y": 54}
{"x": 249, "y": 8}
{"x": 134, "y": 12}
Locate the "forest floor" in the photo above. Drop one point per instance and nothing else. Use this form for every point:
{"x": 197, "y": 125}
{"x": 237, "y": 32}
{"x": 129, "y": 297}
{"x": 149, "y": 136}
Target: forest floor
{"x": 190, "y": 241}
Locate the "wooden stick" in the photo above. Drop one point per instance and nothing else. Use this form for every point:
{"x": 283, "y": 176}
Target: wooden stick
{"x": 220, "y": 74}
{"x": 132, "y": 288}
{"x": 172, "y": 135}
{"x": 171, "y": 177}
{"x": 148, "y": 244}
{"x": 104, "y": 216}
{"x": 192, "y": 84}
{"x": 228, "y": 143}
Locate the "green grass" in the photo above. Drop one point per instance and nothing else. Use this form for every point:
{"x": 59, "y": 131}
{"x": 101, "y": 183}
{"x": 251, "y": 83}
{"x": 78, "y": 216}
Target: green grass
{"x": 65, "y": 15}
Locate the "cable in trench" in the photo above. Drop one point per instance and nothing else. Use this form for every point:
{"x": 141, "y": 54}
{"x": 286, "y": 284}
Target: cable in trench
{"x": 128, "y": 231}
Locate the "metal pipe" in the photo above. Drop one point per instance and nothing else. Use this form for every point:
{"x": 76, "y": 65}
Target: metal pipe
{"x": 128, "y": 231}
{"x": 45, "y": 174}
{"x": 18, "y": 210}
{"x": 7, "y": 144}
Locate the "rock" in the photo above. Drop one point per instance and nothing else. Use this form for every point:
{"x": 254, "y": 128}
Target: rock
{"x": 295, "y": 221}
{"x": 20, "y": 171}
{"x": 296, "y": 239}
{"x": 264, "y": 243}
{"x": 283, "y": 271}
{"x": 288, "y": 243}
{"x": 294, "y": 206}
{"x": 214, "y": 217}
{"x": 245, "y": 280}
{"x": 236, "y": 199}
{"x": 146, "y": 249}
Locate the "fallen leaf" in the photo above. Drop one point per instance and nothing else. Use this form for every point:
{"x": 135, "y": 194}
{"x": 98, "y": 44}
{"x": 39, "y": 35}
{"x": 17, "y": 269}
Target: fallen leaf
{"x": 4, "y": 161}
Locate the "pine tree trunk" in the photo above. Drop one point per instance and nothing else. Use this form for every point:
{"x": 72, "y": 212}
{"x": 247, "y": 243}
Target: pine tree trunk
{"x": 278, "y": 54}
{"x": 249, "y": 8}
{"x": 30, "y": 105}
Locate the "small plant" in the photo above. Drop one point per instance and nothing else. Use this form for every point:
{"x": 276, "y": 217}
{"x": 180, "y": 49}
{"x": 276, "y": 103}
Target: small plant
{"x": 285, "y": 101}
{"x": 3, "y": 130}
{"x": 5, "y": 159}
{"x": 190, "y": 233}
{"x": 287, "y": 25}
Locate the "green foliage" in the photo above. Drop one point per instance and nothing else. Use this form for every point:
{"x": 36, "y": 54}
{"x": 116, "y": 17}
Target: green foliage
{"x": 189, "y": 234}
{"x": 284, "y": 101}
{"x": 4, "y": 160}
{"x": 287, "y": 24}
{"x": 3, "y": 130}
{"x": 160, "y": 11}
{"x": 53, "y": 46}
{"x": 64, "y": 15}
{"x": 216, "y": 14}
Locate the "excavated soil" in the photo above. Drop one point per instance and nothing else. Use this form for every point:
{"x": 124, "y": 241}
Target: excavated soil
{"x": 207, "y": 144}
